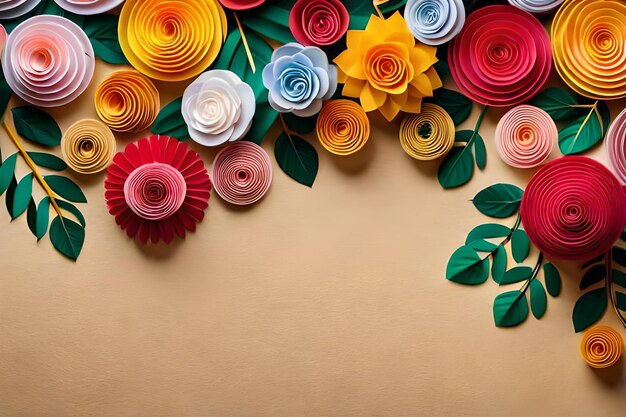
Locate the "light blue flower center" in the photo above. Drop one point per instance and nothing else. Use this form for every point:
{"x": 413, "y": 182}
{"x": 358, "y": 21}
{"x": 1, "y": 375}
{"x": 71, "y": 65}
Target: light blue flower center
{"x": 295, "y": 82}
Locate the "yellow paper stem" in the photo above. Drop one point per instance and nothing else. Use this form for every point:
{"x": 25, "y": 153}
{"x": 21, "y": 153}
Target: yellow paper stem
{"x": 245, "y": 43}
{"x": 33, "y": 167}
{"x": 378, "y": 3}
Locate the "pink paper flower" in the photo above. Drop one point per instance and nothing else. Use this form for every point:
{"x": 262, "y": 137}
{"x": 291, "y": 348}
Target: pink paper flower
{"x": 3, "y": 37}
{"x": 318, "y": 22}
{"x": 241, "y": 4}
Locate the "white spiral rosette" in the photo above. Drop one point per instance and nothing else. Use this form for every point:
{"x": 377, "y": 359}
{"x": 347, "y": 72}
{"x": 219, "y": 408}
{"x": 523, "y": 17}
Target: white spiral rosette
{"x": 434, "y": 22}
{"x": 536, "y": 6}
{"x": 10, "y": 9}
{"x": 88, "y": 7}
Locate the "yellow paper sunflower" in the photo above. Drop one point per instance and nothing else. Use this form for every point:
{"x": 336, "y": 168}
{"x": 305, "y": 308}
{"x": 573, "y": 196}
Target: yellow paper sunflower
{"x": 386, "y": 68}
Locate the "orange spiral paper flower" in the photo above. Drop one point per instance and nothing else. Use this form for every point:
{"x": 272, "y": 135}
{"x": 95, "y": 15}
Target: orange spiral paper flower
{"x": 126, "y": 101}
{"x": 428, "y": 135}
{"x": 342, "y": 127}
{"x": 601, "y": 347}
{"x": 589, "y": 47}
{"x": 88, "y": 146}
{"x": 171, "y": 40}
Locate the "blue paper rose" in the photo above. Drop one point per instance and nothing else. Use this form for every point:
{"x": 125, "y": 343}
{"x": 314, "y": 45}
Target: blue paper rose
{"x": 298, "y": 79}
{"x": 434, "y": 22}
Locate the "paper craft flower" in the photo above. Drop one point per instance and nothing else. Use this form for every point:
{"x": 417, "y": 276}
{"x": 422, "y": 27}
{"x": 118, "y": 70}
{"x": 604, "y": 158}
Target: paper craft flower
{"x": 536, "y": 6}
{"x": 48, "y": 61}
{"x": 342, "y": 127}
{"x": 242, "y": 173}
{"x": 589, "y": 49}
{"x": 171, "y": 40}
{"x": 298, "y": 79}
{"x": 318, "y": 22}
{"x": 501, "y": 57}
{"x": 428, "y": 135}
{"x": 218, "y": 107}
{"x": 3, "y": 37}
{"x": 126, "y": 101}
{"x": 615, "y": 143}
{"x": 88, "y": 7}
{"x": 434, "y": 22}
{"x": 241, "y": 4}
{"x": 525, "y": 136}
{"x": 601, "y": 346}
{"x": 88, "y": 146}
{"x": 156, "y": 188}
{"x": 573, "y": 208}
{"x": 10, "y": 9}
{"x": 386, "y": 69}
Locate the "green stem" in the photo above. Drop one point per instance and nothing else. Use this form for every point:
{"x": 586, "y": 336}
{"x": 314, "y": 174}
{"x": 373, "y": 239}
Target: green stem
{"x": 479, "y": 121}
{"x": 504, "y": 241}
{"x": 534, "y": 274}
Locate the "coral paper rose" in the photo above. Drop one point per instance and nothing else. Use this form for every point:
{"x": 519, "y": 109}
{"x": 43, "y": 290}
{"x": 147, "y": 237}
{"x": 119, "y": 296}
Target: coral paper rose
{"x": 318, "y": 22}
{"x": 298, "y": 79}
{"x": 3, "y": 37}
{"x": 386, "y": 69}
{"x": 218, "y": 107}
{"x": 241, "y": 4}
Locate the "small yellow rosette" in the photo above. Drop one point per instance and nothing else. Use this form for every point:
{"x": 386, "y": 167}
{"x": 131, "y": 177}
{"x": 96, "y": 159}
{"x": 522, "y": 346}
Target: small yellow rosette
{"x": 88, "y": 146}
{"x": 428, "y": 135}
{"x": 342, "y": 127}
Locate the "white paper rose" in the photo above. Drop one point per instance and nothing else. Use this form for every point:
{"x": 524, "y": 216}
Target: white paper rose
{"x": 218, "y": 107}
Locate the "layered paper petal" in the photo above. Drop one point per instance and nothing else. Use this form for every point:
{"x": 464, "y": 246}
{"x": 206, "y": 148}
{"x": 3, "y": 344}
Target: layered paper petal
{"x": 342, "y": 127}
{"x": 525, "y": 136}
{"x": 157, "y": 188}
{"x": 88, "y": 146}
{"x": 502, "y": 57}
{"x": 601, "y": 346}
{"x": 242, "y": 173}
{"x": 589, "y": 47}
{"x": 10, "y": 9}
{"x": 434, "y": 22}
{"x": 48, "y": 61}
{"x": 88, "y": 7}
{"x": 428, "y": 135}
{"x": 241, "y": 4}
{"x": 318, "y": 22}
{"x": 573, "y": 208}
{"x": 127, "y": 101}
{"x": 615, "y": 143}
{"x": 3, "y": 38}
{"x": 171, "y": 40}
{"x": 536, "y": 6}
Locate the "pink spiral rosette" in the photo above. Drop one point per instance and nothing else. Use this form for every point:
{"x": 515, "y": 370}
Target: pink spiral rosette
{"x": 48, "y": 61}
{"x": 318, "y": 22}
{"x": 10, "y": 9}
{"x": 525, "y": 136}
{"x": 502, "y": 57}
{"x": 157, "y": 188}
{"x": 241, "y": 4}
{"x": 88, "y": 7}
{"x": 615, "y": 143}
{"x": 242, "y": 173}
{"x": 3, "y": 38}
{"x": 574, "y": 209}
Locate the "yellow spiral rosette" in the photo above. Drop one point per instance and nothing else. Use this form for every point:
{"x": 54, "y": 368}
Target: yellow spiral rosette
{"x": 342, "y": 127}
{"x": 126, "y": 101}
{"x": 428, "y": 135}
{"x": 601, "y": 346}
{"x": 171, "y": 40}
{"x": 589, "y": 49}
{"x": 88, "y": 146}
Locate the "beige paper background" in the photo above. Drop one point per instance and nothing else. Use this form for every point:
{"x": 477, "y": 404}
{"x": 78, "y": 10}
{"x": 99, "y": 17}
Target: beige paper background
{"x": 328, "y": 301}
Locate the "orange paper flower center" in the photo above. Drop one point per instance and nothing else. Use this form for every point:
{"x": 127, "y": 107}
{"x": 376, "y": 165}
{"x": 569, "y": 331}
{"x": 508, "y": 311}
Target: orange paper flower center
{"x": 388, "y": 68}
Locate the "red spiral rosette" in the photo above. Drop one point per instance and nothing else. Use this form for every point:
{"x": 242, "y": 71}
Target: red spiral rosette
{"x": 502, "y": 57}
{"x": 574, "y": 209}
{"x": 157, "y": 188}
{"x": 242, "y": 173}
{"x": 318, "y": 22}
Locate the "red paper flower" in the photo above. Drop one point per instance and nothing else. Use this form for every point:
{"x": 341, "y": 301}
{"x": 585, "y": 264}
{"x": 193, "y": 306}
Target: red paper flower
{"x": 241, "y": 4}
{"x": 502, "y": 57}
{"x": 574, "y": 208}
{"x": 156, "y": 188}
{"x": 318, "y": 22}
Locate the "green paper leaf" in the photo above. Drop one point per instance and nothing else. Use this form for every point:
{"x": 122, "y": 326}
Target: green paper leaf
{"x": 585, "y": 131}
{"x": 65, "y": 188}
{"x": 619, "y": 256}
{"x": 67, "y": 237}
{"x": 7, "y": 170}
{"x": 9, "y": 197}
{"x": 22, "y": 195}
{"x": 454, "y": 103}
{"x": 480, "y": 151}
{"x": 592, "y": 261}
{"x": 301, "y": 125}
{"x": 71, "y": 208}
{"x": 466, "y": 267}
{"x": 487, "y": 231}
{"x": 102, "y": 32}
{"x": 297, "y": 158}
{"x": 538, "y": 299}
{"x": 457, "y": 167}
{"x": 592, "y": 276}
{"x": 620, "y": 300}
{"x": 360, "y": 11}
{"x": 510, "y": 308}
{"x": 270, "y": 20}
{"x": 37, "y": 217}
{"x": 516, "y": 274}
{"x": 5, "y": 94}
{"x": 618, "y": 278}
{"x": 520, "y": 245}
{"x": 36, "y": 125}
{"x": 552, "y": 278}
{"x": 482, "y": 245}
{"x": 31, "y": 217}
{"x": 170, "y": 122}
{"x": 498, "y": 267}
{"x": 558, "y": 103}
{"x": 47, "y": 160}
{"x": 589, "y": 308}
{"x": 499, "y": 200}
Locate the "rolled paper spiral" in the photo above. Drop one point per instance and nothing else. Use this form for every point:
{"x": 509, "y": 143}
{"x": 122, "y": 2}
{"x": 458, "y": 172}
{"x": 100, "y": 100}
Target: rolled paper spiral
{"x": 342, "y": 127}
{"x": 157, "y": 188}
{"x": 428, "y": 135}
{"x": 318, "y": 22}
{"x": 525, "y": 136}
{"x": 502, "y": 56}
{"x": 88, "y": 146}
{"x": 588, "y": 47}
{"x": 88, "y": 7}
{"x": 601, "y": 346}
{"x": 48, "y": 61}
{"x": 536, "y": 6}
{"x": 241, "y": 4}
{"x": 434, "y": 22}
{"x": 171, "y": 40}
{"x": 615, "y": 143}
{"x": 574, "y": 209}
{"x": 10, "y": 9}
{"x": 242, "y": 173}
{"x": 3, "y": 38}
{"x": 126, "y": 101}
